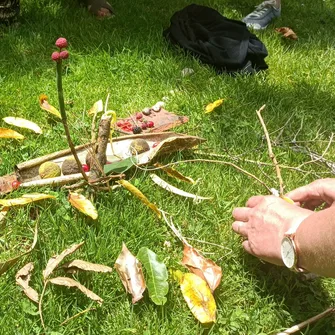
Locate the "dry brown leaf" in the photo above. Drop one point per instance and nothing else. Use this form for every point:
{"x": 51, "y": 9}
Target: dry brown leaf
{"x": 69, "y": 282}
{"x": 83, "y": 205}
{"x": 202, "y": 267}
{"x": 55, "y": 260}
{"x": 287, "y": 32}
{"x": 44, "y": 104}
{"x": 86, "y": 266}
{"x": 138, "y": 194}
{"x": 25, "y": 199}
{"x": 4, "y": 266}
{"x": 22, "y": 278}
{"x": 23, "y": 123}
{"x": 174, "y": 173}
{"x": 9, "y": 133}
{"x": 131, "y": 274}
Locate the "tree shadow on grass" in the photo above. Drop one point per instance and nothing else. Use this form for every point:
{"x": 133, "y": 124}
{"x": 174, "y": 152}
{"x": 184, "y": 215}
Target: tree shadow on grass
{"x": 303, "y": 298}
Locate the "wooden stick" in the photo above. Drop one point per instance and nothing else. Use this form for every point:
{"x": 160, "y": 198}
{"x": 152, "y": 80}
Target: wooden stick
{"x": 302, "y": 325}
{"x": 54, "y": 181}
{"x": 271, "y": 154}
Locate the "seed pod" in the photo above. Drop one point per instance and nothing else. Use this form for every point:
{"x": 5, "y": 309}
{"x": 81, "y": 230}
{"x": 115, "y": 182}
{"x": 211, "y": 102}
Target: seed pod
{"x": 49, "y": 170}
{"x": 138, "y": 146}
{"x": 70, "y": 166}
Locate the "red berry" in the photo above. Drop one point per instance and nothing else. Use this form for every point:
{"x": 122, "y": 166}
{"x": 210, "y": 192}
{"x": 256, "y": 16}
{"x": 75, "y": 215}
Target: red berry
{"x": 119, "y": 123}
{"x": 61, "y": 42}
{"x": 155, "y": 145}
{"x": 150, "y": 124}
{"x": 144, "y": 126}
{"x": 85, "y": 168}
{"x": 64, "y": 54}
{"x": 55, "y": 56}
{"x": 139, "y": 116}
{"x": 15, "y": 184}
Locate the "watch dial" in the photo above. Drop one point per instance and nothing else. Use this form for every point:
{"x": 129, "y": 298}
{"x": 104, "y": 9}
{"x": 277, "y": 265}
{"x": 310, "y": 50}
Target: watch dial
{"x": 288, "y": 253}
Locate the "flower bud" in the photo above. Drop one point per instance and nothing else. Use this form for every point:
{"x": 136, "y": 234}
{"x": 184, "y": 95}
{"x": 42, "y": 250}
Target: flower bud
{"x": 64, "y": 54}
{"x": 61, "y": 43}
{"x": 55, "y": 56}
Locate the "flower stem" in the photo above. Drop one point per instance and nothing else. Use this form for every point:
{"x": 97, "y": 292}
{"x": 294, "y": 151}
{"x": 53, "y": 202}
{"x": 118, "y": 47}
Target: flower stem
{"x": 64, "y": 117}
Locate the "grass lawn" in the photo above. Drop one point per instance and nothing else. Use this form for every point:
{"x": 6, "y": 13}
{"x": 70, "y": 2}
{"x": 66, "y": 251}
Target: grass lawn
{"x": 127, "y": 57}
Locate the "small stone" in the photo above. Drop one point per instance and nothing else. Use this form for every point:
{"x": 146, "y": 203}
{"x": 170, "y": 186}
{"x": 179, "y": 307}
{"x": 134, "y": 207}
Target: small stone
{"x": 160, "y": 104}
{"x": 156, "y": 108}
{"x": 138, "y": 146}
{"x": 70, "y": 166}
{"x": 146, "y": 111}
{"x": 187, "y": 72}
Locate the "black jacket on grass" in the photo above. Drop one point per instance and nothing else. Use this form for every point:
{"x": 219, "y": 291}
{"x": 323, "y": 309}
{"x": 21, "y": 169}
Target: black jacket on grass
{"x": 216, "y": 40}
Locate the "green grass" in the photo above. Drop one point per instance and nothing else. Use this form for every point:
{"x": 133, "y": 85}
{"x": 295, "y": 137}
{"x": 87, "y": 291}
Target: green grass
{"x": 127, "y": 57}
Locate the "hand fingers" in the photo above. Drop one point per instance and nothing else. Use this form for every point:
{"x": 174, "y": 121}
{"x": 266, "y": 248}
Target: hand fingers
{"x": 254, "y": 201}
{"x": 246, "y": 247}
{"x": 240, "y": 228}
{"x": 241, "y": 214}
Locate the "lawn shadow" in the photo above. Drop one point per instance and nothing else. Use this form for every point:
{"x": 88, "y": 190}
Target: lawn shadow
{"x": 303, "y": 298}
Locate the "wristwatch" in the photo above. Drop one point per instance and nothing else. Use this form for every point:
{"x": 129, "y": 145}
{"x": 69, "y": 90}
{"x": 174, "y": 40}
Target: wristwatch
{"x": 289, "y": 251}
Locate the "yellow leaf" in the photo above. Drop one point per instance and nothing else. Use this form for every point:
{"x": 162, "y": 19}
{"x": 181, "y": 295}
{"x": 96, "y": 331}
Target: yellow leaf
{"x": 198, "y": 296}
{"x": 44, "y": 104}
{"x": 25, "y": 199}
{"x": 83, "y": 205}
{"x": 287, "y": 199}
{"x": 138, "y": 194}
{"x": 96, "y": 108}
{"x": 210, "y": 107}
{"x": 19, "y": 122}
{"x": 174, "y": 173}
{"x": 9, "y": 133}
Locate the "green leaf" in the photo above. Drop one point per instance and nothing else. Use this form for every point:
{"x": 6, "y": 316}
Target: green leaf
{"x": 157, "y": 273}
{"x": 121, "y": 166}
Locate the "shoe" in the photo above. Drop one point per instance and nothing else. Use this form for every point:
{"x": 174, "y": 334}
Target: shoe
{"x": 263, "y": 14}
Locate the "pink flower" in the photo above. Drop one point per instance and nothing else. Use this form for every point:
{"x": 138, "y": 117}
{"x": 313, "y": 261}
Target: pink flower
{"x": 64, "y": 54}
{"x": 56, "y": 56}
{"x": 61, "y": 43}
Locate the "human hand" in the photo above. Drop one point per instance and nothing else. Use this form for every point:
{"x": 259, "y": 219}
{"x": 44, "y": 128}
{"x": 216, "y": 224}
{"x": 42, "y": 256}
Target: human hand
{"x": 313, "y": 195}
{"x": 263, "y": 223}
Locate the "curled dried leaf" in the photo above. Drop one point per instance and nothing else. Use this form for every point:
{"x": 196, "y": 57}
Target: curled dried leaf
{"x": 198, "y": 296}
{"x": 83, "y": 205}
{"x": 44, "y": 104}
{"x": 174, "y": 173}
{"x": 138, "y": 194}
{"x": 9, "y": 133}
{"x": 69, "y": 282}
{"x": 96, "y": 108}
{"x": 163, "y": 184}
{"x": 287, "y": 32}
{"x": 55, "y": 260}
{"x": 23, "y": 123}
{"x": 86, "y": 266}
{"x": 202, "y": 267}
{"x": 3, "y": 214}
{"x": 25, "y": 199}
{"x": 131, "y": 274}
{"x": 22, "y": 278}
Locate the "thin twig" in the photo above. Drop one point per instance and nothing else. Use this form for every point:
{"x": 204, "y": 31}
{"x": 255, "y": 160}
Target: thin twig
{"x": 78, "y": 314}
{"x": 93, "y": 126}
{"x": 40, "y": 304}
{"x": 209, "y": 161}
{"x": 64, "y": 118}
{"x": 210, "y": 243}
{"x": 302, "y": 325}
{"x": 271, "y": 154}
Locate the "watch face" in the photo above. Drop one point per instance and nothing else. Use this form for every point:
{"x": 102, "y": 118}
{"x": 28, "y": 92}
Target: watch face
{"x": 288, "y": 252}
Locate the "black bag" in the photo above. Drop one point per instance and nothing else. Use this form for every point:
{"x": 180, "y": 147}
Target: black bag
{"x": 216, "y": 40}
